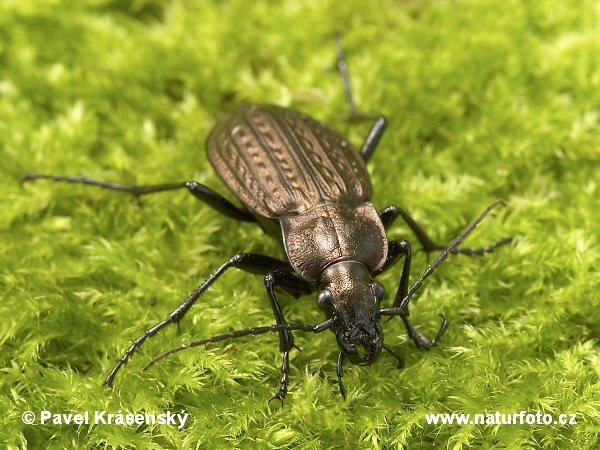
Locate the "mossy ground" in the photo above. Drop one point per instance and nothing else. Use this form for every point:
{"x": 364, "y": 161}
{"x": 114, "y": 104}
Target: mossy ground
{"x": 494, "y": 99}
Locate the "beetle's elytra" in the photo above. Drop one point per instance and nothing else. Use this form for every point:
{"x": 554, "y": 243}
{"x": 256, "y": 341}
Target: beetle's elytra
{"x": 308, "y": 187}
{"x": 303, "y": 182}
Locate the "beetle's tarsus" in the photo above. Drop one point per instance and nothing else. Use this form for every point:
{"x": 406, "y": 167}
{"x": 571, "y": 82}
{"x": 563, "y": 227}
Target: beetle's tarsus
{"x": 420, "y": 339}
{"x": 279, "y": 397}
{"x": 340, "y": 374}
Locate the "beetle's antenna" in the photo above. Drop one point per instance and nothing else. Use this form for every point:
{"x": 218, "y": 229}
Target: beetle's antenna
{"x": 241, "y": 333}
{"x": 440, "y": 259}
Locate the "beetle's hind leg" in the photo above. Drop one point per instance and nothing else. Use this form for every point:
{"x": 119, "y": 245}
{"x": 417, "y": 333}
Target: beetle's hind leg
{"x": 391, "y": 213}
{"x": 354, "y": 114}
{"x": 295, "y": 286}
{"x": 198, "y": 190}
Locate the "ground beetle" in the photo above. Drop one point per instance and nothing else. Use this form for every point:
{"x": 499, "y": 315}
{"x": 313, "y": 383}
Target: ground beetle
{"x": 306, "y": 185}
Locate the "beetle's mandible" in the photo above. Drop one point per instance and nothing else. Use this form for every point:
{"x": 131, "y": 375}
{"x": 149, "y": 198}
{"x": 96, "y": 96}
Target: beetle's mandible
{"x": 307, "y": 186}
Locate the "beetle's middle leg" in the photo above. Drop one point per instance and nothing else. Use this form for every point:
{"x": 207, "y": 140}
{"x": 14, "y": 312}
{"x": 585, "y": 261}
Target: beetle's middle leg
{"x": 396, "y": 249}
{"x": 391, "y": 213}
{"x": 198, "y": 190}
{"x": 248, "y": 262}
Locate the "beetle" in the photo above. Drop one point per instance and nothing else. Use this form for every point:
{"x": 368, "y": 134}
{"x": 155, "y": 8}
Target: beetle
{"x": 305, "y": 184}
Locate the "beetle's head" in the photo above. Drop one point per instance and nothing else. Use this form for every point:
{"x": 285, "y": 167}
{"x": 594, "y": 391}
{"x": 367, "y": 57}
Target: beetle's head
{"x": 351, "y": 297}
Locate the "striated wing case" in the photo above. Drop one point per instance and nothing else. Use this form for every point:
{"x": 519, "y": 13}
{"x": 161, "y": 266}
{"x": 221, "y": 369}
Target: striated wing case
{"x": 281, "y": 162}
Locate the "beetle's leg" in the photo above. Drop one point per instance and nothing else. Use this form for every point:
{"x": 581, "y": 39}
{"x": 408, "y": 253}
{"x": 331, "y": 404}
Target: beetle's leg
{"x": 397, "y": 248}
{"x": 392, "y": 352}
{"x": 340, "y": 374}
{"x": 248, "y": 262}
{"x": 343, "y": 68}
{"x": 391, "y": 213}
{"x": 420, "y": 338}
{"x": 405, "y": 295}
{"x": 200, "y": 191}
{"x": 373, "y": 138}
{"x": 296, "y": 286}
{"x": 380, "y": 123}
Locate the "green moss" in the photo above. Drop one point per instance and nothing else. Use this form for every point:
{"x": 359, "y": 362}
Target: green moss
{"x": 485, "y": 100}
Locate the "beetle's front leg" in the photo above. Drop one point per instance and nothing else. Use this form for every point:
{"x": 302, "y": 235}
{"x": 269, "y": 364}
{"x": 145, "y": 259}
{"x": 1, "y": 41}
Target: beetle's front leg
{"x": 248, "y": 262}
{"x": 295, "y": 286}
{"x": 396, "y": 249}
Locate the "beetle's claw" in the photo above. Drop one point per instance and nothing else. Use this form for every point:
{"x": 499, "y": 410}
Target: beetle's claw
{"x": 277, "y": 396}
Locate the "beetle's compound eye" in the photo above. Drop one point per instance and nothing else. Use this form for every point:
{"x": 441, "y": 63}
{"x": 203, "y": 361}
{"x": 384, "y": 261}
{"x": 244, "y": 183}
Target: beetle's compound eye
{"x": 325, "y": 300}
{"x": 378, "y": 291}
